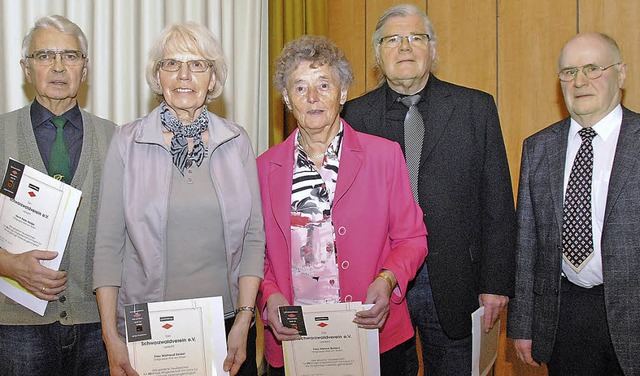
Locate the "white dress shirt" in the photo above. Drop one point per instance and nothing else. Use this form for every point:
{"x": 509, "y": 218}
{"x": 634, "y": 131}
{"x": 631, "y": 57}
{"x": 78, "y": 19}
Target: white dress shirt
{"x": 604, "y": 149}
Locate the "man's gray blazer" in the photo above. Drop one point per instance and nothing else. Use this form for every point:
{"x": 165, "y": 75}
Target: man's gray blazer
{"x": 533, "y": 313}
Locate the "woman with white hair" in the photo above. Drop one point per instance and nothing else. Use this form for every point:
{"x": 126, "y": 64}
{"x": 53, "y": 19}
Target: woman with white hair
{"x": 180, "y": 214}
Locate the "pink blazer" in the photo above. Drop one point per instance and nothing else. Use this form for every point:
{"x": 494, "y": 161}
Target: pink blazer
{"x": 377, "y": 225}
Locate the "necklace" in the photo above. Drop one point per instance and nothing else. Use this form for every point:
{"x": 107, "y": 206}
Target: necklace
{"x": 315, "y": 156}
{"x": 302, "y": 143}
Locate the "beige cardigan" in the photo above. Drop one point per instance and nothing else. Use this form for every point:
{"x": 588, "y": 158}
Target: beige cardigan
{"x": 17, "y": 140}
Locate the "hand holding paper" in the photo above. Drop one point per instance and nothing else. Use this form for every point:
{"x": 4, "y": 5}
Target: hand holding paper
{"x": 36, "y": 212}
{"x": 119, "y": 363}
{"x": 279, "y": 331}
{"x": 493, "y": 305}
{"x": 523, "y": 348}
{"x": 378, "y": 295}
{"x": 26, "y": 269}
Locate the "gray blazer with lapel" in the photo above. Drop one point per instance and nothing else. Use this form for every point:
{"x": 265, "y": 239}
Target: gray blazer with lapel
{"x": 464, "y": 191}
{"x": 533, "y": 313}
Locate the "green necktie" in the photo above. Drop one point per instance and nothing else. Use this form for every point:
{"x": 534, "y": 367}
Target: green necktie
{"x": 59, "y": 161}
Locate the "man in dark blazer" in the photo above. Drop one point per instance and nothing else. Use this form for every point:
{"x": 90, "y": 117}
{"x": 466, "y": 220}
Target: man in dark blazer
{"x": 581, "y": 317}
{"x": 463, "y": 186}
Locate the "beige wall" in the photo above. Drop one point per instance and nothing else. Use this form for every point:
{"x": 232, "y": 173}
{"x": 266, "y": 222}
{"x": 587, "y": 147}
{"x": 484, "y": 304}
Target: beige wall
{"x": 508, "y": 48}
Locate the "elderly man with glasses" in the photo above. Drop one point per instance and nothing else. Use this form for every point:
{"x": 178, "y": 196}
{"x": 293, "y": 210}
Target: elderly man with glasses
{"x": 577, "y": 302}
{"x": 458, "y": 167}
{"x": 55, "y": 136}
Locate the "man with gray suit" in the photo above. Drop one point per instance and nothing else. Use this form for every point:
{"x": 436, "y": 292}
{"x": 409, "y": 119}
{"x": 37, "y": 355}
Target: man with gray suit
{"x": 459, "y": 174}
{"x": 577, "y": 302}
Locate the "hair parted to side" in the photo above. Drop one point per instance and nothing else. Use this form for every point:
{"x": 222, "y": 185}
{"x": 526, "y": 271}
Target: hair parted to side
{"x": 57, "y": 22}
{"x": 402, "y": 10}
{"x": 188, "y": 37}
{"x": 316, "y": 50}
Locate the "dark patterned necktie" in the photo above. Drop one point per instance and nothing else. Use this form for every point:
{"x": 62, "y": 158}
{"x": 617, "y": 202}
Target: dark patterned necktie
{"x": 577, "y": 231}
{"x": 59, "y": 161}
{"x": 413, "y": 136}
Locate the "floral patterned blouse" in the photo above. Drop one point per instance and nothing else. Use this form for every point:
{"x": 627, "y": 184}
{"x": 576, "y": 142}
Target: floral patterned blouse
{"x": 313, "y": 250}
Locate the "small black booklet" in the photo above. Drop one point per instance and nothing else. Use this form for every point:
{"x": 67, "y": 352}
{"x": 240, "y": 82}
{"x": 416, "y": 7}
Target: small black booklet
{"x": 291, "y": 317}
{"x": 136, "y": 318}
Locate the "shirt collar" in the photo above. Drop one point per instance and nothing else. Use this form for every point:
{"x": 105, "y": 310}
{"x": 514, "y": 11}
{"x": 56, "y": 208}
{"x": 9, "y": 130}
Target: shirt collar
{"x": 40, "y": 115}
{"x": 604, "y": 128}
{"x": 392, "y": 96}
{"x": 334, "y": 147}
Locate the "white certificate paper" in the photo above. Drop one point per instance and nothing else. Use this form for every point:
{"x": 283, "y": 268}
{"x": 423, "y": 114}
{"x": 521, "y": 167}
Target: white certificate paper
{"x": 334, "y": 345}
{"x": 36, "y": 212}
{"x": 185, "y": 337}
{"x": 485, "y": 345}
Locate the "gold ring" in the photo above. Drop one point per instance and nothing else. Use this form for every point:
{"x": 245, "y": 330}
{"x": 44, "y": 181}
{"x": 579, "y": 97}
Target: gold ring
{"x": 43, "y": 289}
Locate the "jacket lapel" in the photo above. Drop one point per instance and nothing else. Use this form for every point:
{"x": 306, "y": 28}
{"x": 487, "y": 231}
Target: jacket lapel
{"x": 627, "y": 155}
{"x": 279, "y": 180}
{"x": 374, "y": 118}
{"x": 440, "y": 110}
{"x": 556, "y": 151}
{"x": 350, "y": 162}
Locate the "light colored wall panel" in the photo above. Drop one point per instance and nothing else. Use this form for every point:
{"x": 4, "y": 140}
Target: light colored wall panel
{"x": 348, "y": 32}
{"x": 618, "y": 19}
{"x": 530, "y": 37}
{"x": 466, "y": 32}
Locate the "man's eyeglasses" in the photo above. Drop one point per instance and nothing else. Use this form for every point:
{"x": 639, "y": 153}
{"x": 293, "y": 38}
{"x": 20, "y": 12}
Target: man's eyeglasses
{"x": 591, "y": 71}
{"x": 48, "y": 57}
{"x": 195, "y": 66}
{"x": 415, "y": 40}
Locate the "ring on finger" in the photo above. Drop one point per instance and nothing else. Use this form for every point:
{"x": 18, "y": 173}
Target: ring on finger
{"x": 43, "y": 289}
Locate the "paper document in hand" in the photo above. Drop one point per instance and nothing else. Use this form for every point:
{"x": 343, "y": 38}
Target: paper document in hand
{"x": 334, "y": 345}
{"x": 485, "y": 345}
{"x": 36, "y": 212}
{"x": 180, "y": 337}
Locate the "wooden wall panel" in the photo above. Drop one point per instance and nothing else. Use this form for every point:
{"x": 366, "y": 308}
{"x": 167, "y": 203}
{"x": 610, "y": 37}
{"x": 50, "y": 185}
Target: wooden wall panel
{"x": 618, "y": 19}
{"x": 466, "y": 35}
{"x": 530, "y": 37}
{"x": 349, "y": 33}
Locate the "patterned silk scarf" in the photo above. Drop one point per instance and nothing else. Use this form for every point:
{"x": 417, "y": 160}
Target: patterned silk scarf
{"x": 179, "y": 147}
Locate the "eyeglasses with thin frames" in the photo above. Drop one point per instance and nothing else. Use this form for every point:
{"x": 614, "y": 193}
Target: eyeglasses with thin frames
{"x": 195, "y": 66}
{"x": 415, "y": 40}
{"x": 48, "y": 57}
{"x": 591, "y": 71}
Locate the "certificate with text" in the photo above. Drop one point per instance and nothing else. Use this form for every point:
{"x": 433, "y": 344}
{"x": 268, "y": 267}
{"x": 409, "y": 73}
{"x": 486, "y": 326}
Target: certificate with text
{"x": 36, "y": 212}
{"x": 175, "y": 338}
{"x": 333, "y": 345}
